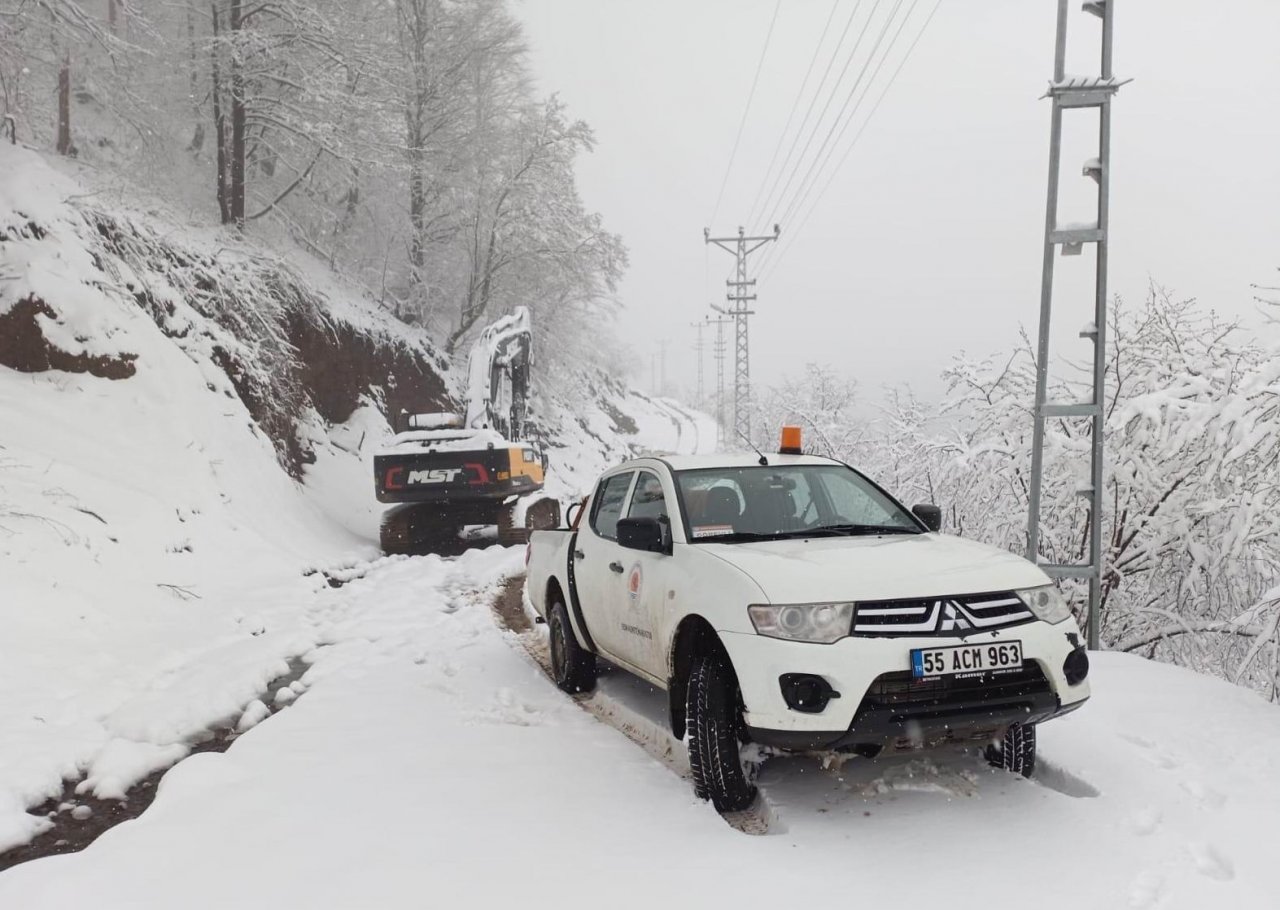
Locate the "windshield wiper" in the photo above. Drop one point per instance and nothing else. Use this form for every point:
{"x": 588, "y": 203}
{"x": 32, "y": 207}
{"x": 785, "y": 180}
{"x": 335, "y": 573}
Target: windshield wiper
{"x": 741, "y": 537}
{"x": 856, "y": 529}
{"x": 845, "y": 530}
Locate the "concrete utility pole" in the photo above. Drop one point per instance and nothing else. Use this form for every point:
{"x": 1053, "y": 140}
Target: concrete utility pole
{"x": 698, "y": 347}
{"x": 1072, "y": 93}
{"x": 742, "y": 247}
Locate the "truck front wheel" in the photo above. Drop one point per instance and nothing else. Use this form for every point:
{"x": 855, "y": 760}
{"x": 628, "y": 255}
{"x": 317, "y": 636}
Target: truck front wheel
{"x": 573, "y": 667}
{"x": 1016, "y": 751}
{"x": 714, "y": 719}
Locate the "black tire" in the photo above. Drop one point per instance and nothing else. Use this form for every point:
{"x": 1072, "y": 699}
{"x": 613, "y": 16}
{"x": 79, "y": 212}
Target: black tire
{"x": 1017, "y": 750}
{"x": 539, "y": 516}
{"x": 573, "y": 667}
{"x": 714, "y": 718}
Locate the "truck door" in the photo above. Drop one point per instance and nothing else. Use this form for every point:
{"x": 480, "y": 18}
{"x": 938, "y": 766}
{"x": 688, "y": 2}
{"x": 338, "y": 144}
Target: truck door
{"x": 598, "y": 561}
{"x": 642, "y": 615}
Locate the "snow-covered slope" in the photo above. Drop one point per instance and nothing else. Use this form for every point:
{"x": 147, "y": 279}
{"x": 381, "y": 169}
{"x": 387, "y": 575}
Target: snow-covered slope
{"x": 156, "y": 556}
{"x": 431, "y": 763}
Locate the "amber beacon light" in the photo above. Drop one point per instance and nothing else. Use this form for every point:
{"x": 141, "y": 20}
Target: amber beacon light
{"x": 790, "y": 444}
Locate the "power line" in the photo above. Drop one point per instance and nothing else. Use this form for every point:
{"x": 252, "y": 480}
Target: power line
{"x": 746, "y": 110}
{"x": 820, "y": 159}
{"x": 828, "y": 149}
{"x": 795, "y": 105}
{"x": 825, "y": 107}
{"x": 835, "y": 53}
{"x": 803, "y": 219}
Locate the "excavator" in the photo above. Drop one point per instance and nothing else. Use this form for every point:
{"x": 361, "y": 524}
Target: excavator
{"x": 444, "y": 472}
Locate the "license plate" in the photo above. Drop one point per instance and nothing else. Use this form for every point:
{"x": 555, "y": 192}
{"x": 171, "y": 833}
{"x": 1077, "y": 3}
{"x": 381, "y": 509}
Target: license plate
{"x": 960, "y": 660}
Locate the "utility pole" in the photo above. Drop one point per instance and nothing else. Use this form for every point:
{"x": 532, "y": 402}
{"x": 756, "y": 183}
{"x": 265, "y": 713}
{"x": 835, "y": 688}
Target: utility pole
{"x": 697, "y": 347}
{"x": 742, "y": 247}
{"x": 1073, "y": 93}
{"x": 662, "y": 366}
{"x": 719, "y": 347}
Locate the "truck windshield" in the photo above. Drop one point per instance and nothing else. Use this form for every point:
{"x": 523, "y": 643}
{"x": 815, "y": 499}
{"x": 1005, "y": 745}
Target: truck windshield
{"x": 765, "y": 502}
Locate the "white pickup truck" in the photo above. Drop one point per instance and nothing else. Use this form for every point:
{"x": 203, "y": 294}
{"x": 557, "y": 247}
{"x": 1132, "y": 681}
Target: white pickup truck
{"x": 787, "y": 600}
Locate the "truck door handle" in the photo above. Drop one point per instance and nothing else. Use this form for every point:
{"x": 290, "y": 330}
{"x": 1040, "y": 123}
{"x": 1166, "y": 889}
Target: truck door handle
{"x": 578, "y": 554}
{"x": 615, "y": 567}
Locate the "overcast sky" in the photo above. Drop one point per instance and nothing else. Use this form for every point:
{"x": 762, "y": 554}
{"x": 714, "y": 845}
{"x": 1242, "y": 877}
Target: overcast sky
{"x": 927, "y": 240}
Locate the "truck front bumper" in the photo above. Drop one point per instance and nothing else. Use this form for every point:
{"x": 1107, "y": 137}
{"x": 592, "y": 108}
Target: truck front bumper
{"x": 881, "y": 706}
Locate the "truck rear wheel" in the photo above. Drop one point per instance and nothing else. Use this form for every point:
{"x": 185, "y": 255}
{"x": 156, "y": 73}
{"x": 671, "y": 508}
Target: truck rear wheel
{"x": 540, "y": 515}
{"x": 1017, "y": 750}
{"x": 573, "y": 667}
{"x": 714, "y": 718}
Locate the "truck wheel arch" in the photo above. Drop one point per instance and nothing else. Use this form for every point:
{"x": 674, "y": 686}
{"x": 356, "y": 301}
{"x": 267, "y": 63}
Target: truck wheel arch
{"x": 694, "y": 637}
{"x": 554, "y": 595}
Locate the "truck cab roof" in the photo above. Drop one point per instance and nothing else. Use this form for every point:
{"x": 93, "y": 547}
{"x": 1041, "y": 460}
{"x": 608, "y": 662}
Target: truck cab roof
{"x": 723, "y": 460}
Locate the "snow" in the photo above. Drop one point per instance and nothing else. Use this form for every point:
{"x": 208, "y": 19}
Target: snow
{"x": 444, "y": 441}
{"x": 161, "y": 574}
{"x": 158, "y": 565}
{"x": 429, "y": 750}
{"x": 122, "y": 763}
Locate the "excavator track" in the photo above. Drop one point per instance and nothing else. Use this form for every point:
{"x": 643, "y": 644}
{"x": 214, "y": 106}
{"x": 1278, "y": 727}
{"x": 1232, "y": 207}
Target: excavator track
{"x": 416, "y": 529}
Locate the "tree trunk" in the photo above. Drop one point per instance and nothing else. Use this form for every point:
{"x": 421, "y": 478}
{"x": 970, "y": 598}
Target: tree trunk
{"x": 417, "y": 222}
{"x": 64, "y": 105}
{"x": 477, "y": 295}
{"x": 219, "y": 124}
{"x": 237, "y": 118}
{"x": 197, "y": 135}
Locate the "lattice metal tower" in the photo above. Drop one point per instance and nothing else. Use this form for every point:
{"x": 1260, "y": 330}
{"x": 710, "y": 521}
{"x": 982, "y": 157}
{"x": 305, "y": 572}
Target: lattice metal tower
{"x": 720, "y": 349}
{"x": 698, "y": 348}
{"x": 742, "y": 247}
{"x": 1070, "y": 93}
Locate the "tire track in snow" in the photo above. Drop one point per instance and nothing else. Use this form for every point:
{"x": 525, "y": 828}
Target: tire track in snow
{"x": 508, "y": 610}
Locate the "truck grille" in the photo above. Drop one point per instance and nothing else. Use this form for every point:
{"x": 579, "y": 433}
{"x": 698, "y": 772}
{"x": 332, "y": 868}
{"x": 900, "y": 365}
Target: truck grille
{"x": 958, "y": 615}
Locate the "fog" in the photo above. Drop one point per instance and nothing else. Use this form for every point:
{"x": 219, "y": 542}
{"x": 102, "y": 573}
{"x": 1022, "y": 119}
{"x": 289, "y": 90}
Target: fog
{"x": 927, "y": 241}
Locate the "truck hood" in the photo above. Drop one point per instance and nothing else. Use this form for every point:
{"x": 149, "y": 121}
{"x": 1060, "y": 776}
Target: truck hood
{"x": 876, "y": 568}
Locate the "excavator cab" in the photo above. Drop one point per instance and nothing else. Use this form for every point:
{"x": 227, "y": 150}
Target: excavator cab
{"x": 444, "y": 472}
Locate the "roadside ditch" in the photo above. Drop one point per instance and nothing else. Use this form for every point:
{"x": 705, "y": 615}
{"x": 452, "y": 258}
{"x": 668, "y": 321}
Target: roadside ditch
{"x": 81, "y": 818}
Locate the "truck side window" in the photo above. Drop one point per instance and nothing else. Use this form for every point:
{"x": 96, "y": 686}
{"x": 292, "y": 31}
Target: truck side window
{"x": 647, "y": 501}
{"x": 608, "y": 507}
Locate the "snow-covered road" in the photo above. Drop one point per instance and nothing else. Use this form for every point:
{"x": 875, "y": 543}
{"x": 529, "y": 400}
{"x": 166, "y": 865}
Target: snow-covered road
{"x": 430, "y": 761}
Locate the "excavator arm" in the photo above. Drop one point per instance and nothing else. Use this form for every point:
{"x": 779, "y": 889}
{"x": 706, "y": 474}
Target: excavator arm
{"x": 498, "y": 376}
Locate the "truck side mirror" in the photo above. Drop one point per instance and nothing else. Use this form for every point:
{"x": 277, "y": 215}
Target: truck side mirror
{"x": 931, "y": 515}
{"x": 642, "y": 534}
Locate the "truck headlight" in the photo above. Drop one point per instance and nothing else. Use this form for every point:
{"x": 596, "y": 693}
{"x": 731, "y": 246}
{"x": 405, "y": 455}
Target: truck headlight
{"x": 1046, "y": 602}
{"x": 822, "y": 623}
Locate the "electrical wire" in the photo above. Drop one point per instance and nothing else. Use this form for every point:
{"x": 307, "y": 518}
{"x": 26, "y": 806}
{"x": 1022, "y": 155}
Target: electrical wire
{"x": 814, "y": 100}
{"x": 825, "y": 107}
{"x": 772, "y": 266}
{"x": 745, "y": 111}
{"x": 795, "y": 105}
{"x": 828, "y": 147}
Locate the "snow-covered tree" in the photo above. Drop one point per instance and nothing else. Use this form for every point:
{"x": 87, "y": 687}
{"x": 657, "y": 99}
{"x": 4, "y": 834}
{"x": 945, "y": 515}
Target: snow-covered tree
{"x": 1192, "y": 521}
